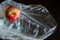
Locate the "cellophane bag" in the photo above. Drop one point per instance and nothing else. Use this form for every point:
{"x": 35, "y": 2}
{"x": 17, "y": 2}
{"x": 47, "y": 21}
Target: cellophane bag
{"x": 35, "y": 23}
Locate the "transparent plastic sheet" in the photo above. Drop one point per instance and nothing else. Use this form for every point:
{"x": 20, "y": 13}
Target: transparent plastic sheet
{"x": 36, "y": 23}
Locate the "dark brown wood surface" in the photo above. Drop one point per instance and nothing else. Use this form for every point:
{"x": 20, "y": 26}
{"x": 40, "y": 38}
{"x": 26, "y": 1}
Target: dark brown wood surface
{"x": 54, "y": 8}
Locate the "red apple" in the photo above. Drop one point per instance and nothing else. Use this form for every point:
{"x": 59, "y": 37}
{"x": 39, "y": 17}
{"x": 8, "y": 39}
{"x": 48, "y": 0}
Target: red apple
{"x": 12, "y": 13}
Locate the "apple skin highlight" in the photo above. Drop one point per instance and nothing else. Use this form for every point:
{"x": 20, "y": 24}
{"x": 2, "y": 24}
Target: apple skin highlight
{"x": 12, "y": 13}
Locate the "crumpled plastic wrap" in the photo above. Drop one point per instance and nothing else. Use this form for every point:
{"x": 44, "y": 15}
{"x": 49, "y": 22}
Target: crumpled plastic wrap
{"x": 35, "y": 23}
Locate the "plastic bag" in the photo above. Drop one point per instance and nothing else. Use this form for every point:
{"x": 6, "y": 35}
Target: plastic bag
{"x": 35, "y": 23}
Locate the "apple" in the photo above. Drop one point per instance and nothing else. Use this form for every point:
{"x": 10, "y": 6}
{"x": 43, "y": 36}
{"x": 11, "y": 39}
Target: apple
{"x": 12, "y": 13}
